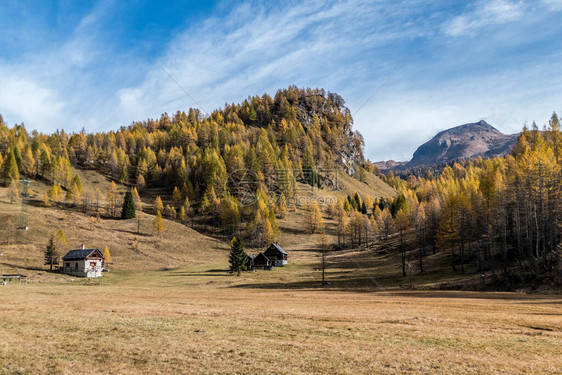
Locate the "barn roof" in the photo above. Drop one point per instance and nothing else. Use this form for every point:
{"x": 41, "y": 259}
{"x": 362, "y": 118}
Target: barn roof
{"x": 261, "y": 255}
{"x": 80, "y": 254}
{"x": 277, "y": 247}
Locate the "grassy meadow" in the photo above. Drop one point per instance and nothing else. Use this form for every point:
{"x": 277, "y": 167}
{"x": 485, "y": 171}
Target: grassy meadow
{"x": 193, "y": 320}
{"x": 168, "y": 305}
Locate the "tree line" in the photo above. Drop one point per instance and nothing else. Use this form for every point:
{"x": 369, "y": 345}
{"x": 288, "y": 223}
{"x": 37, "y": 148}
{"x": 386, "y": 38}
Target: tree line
{"x": 504, "y": 212}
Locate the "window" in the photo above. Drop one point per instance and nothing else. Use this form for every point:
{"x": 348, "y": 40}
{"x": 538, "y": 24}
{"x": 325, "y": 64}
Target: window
{"x": 76, "y": 265}
{"x": 67, "y": 265}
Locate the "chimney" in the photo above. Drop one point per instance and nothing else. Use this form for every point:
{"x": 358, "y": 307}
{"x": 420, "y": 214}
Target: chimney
{"x": 83, "y": 246}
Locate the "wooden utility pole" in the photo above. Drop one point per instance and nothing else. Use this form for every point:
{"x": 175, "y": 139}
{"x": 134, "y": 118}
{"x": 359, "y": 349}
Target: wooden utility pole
{"x": 24, "y": 217}
{"x": 323, "y": 248}
{"x": 410, "y": 273}
{"x": 323, "y": 266}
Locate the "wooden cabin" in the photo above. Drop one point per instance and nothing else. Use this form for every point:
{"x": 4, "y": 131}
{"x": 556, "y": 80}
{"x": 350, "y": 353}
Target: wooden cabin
{"x": 261, "y": 261}
{"x": 249, "y": 262}
{"x": 83, "y": 262}
{"x": 276, "y": 255}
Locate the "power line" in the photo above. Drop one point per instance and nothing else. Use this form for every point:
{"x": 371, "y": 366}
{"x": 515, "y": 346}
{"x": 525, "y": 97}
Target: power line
{"x": 184, "y": 90}
{"x": 384, "y": 83}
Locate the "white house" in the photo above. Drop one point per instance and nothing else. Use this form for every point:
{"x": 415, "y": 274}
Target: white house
{"x": 83, "y": 262}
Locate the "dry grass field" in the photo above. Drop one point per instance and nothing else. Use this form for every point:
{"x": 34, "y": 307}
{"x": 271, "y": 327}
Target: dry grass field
{"x": 194, "y": 320}
{"x": 169, "y": 306}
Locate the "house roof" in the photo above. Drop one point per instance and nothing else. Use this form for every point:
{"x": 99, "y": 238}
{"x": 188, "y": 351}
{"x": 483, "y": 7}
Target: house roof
{"x": 277, "y": 247}
{"x": 80, "y": 254}
{"x": 261, "y": 255}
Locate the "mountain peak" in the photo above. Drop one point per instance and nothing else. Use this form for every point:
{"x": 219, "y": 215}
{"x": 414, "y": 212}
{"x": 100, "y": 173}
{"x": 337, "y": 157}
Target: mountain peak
{"x": 463, "y": 142}
{"x": 483, "y": 124}
{"x": 470, "y": 127}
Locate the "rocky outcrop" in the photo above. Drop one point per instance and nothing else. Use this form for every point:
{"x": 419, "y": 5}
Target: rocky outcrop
{"x": 389, "y": 164}
{"x": 352, "y": 154}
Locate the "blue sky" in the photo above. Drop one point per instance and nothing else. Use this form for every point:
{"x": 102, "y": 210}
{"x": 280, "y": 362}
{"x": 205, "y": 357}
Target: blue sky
{"x": 96, "y": 64}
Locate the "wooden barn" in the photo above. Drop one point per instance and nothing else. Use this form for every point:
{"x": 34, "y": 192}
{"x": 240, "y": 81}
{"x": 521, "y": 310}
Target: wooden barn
{"x": 249, "y": 262}
{"x": 261, "y": 261}
{"x": 83, "y": 262}
{"x": 276, "y": 255}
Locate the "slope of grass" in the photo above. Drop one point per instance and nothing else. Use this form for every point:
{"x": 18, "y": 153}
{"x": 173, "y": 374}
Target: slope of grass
{"x": 372, "y": 186}
{"x": 178, "y": 245}
{"x": 372, "y": 268}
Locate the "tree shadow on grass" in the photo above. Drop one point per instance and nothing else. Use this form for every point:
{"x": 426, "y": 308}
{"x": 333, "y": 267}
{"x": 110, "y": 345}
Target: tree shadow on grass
{"x": 218, "y": 270}
{"x": 333, "y": 283}
{"x": 134, "y": 232}
{"x": 25, "y": 268}
{"x": 189, "y": 274}
{"x": 530, "y": 299}
{"x": 207, "y": 273}
{"x": 294, "y": 231}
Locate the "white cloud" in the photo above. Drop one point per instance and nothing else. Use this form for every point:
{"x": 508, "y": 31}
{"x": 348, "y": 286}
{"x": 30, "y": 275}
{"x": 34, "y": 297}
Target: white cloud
{"x": 27, "y": 100}
{"x": 315, "y": 44}
{"x": 349, "y": 47}
{"x": 67, "y": 84}
{"x": 553, "y": 5}
{"x": 485, "y": 14}
{"x": 395, "y": 124}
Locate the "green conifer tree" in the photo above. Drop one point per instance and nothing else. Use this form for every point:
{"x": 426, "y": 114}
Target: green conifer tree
{"x": 358, "y": 202}
{"x": 128, "y": 211}
{"x": 238, "y": 259}
{"x": 51, "y": 254}
{"x": 363, "y": 208}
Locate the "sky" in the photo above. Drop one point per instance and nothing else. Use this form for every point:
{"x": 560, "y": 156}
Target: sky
{"x": 405, "y": 69}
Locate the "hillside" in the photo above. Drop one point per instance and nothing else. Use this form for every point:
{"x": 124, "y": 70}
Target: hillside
{"x": 23, "y": 251}
{"x": 204, "y": 166}
{"x": 180, "y": 245}
{"x": 288, "y": 169}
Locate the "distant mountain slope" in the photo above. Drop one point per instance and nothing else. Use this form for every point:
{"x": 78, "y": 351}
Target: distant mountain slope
{"x": 463, "y": 142}
{"x": 389, "y": 164}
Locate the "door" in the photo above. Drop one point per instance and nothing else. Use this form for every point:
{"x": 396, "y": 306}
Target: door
{"x": 92, "y": 270}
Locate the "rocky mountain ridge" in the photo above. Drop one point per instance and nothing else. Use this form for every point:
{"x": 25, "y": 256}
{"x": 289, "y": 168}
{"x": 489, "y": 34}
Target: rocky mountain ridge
{"x": 461, "y": 142}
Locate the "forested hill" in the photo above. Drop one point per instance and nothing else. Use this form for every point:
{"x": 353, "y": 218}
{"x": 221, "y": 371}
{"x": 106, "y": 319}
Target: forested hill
{"x": 309, "y": 127}
{"x": 301, "y": 131}
{"x": 298, "y": 128}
